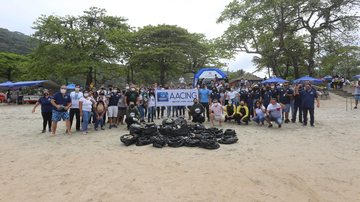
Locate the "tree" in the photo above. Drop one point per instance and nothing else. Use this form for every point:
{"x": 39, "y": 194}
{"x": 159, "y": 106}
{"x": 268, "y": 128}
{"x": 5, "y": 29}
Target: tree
{"x": 167, "y": 51}
{"x": 76, "y": 47}
{"x": 285, "y": 33}
{"x": 11, "y": 66}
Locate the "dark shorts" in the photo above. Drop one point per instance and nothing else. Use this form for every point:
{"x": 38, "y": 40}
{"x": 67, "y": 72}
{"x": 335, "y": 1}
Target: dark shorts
{"x": 57, "y": 116}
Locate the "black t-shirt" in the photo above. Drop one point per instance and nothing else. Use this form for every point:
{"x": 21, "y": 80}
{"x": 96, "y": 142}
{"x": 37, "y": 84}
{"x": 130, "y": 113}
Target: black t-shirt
{"x": 131, "y": 97}
{"x": 114, "y": 99}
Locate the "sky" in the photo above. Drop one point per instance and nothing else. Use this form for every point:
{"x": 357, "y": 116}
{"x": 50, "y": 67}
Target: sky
{"x": 194, "y": 15}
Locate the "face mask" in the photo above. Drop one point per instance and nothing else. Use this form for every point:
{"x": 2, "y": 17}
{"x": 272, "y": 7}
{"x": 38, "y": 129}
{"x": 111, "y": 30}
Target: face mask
{"x": 86, "y": 94}
{"x": 77, "y": 89}
{"x": 114, "y": 91}
{"x": 63, "y": 91}
{"x": 272, "y": 87}
{"x": 46, "y": 94}
{"x": 132, "y": 106}
{"x": 132, "y": 89}
{"x": 242, "y": 104}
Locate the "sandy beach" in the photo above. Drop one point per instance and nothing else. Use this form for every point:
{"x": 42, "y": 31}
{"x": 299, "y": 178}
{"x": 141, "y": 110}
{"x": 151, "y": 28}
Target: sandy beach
{"x": 294, "y": 163}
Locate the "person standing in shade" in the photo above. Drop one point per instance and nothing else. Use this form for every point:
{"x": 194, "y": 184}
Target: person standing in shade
{"x": 61, "y": 103}
{"x": 357, "y": 93}
{"x": 297, "y": 104}
{"x": 74, "y": 110}
{"x": 85, "y": 107}
{"x": 204, "y": 97}
{"x": 113, "y": 108}
{"x": 46, "y": 110}
{"x": 308, "y": 97}
{"x": 274, "y": 113}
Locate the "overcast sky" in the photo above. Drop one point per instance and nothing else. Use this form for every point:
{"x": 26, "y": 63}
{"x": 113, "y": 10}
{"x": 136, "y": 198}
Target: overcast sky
{"x": 194, "y": 15}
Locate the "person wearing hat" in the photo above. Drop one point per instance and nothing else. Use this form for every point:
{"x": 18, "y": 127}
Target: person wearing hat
{"x": 46, "y": 109}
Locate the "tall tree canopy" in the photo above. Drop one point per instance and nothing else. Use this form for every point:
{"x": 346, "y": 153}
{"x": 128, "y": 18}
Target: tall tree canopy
{"x": 74, "y": 47}
{"x": 286, "y": 34}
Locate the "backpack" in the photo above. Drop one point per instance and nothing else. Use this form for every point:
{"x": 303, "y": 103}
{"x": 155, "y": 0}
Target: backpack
{"x": 100, "y": 108}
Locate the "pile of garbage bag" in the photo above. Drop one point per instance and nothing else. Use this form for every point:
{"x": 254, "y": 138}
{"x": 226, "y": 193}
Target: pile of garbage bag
{"x": 178, "y": 133}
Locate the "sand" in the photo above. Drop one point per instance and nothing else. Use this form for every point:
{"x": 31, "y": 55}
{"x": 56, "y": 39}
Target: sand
{"x": 293, "y": 163}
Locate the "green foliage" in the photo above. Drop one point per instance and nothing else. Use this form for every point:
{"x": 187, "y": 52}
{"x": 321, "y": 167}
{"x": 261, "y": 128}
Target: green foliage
{"x": 286, "y": 35}
{"x": 12, "y": 66}
{"x": 16, "y": 42}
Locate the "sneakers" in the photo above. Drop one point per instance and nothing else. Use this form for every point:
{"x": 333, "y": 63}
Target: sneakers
{"x": 95, "y": 129}
{"x": 279, "y": 126}
{"x": 114, "y": 126}
{"x": 270, "y": 125}
{"x": 287, "y": 121}
{"x": 102, "y": 128}
{"x": 43, "y": 131}
{"x": 355, "y": 107}
{"x": 110, "y": 126}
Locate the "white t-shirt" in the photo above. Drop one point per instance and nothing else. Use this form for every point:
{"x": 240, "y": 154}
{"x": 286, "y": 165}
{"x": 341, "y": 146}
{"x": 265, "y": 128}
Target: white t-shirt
{"x": 86, "y": 104}
{"x": 151, "y": 101}
{"x": 232, "y": 94}
{"x": 259, "y": 112}
{"x": 217, "y": 109}
{"x": 75, "y": 97}
{"x": 275, "y": 110}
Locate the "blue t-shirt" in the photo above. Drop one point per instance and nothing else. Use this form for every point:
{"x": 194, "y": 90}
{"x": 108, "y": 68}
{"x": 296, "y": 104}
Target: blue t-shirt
{"x": 204, "y": 95}
{"x": 62, "y": 100}
{"x": 45, "y": 103}
{"x": 308, "y": 98}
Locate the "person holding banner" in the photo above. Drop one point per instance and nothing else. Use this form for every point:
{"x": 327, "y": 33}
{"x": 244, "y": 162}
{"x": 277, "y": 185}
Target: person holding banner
{"x": 204, "y": 97}
{"x": 217, "y": 112}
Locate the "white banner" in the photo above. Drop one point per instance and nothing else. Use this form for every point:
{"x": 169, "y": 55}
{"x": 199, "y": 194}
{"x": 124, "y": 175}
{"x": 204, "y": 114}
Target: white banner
{"x": 175, "y": 97}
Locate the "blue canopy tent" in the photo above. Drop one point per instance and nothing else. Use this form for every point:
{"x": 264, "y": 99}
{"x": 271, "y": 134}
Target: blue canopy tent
{"x": 356, "y": 76}
{"x": 274, "y": 80}
{"x": 22, "y": 84}
{"x": 308, "y": 78}
{"x": 70, "y": 86}
{"x": 327, "y": 78}
{"x": 209, "y": 73}
{"x": 7, "y": 84}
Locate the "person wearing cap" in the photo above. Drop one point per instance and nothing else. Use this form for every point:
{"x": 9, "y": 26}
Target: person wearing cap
{"x": 74, "y": 110}
{"x": 230, "y": 111}
{"x": 61, "y": 103}
{"x": 357, "y": 93}
{"x": 85, "y": 107}
{"x": 308, "y": 97}
{"x": 217, "y": 112}
{"x": 46, "y": 109}
{"x": 242, "y": 113}
{"x": 274, "y": 112}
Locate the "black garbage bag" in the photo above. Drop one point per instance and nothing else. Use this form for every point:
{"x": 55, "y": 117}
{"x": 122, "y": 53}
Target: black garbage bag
{"x": 175, "y": 141}
{"x": 180, "y": 122}
{"x": 182, "y": 131}
{"x": 159, "y": 141}
{"x": 228, "y": 140}
{"x": 191, "y": 142}
{"x": 136, "y": 129}
{"x": 150, "y": 129}
{"x": 199, "y": 127}
{"x": 209, "y": 143}
{"x": 143, "y": 140}
{"x": 229, "y": 132}
{"x": 166, "y": 130}
{"x": 168, "y": 122}
{"x": 128, "y": 139}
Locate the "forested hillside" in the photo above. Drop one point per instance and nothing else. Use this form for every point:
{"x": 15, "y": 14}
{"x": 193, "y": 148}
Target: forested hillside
{"x": 16, "y": 42}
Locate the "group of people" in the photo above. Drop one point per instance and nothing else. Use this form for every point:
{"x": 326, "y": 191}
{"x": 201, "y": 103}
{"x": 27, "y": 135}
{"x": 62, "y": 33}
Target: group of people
{"x": 216, "y": 101}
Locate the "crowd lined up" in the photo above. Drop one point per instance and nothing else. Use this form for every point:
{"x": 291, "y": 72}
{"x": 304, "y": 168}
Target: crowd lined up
{"x": 217, "y": 102}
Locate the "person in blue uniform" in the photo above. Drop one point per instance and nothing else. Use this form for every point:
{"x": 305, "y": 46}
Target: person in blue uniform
{"x": 46, "y": 109}
{"x": 308, "y": 97}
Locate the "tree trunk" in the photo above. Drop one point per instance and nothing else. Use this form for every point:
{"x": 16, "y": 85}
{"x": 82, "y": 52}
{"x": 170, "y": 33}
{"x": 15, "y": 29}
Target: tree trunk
{"x": 89, "y": 77}
{"x": 8, "y": 74}
{"x": 311, "y": 56}
{"x": 296, "y": 67}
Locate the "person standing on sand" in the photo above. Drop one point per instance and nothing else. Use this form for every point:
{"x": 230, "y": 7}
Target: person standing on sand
{"x": 61, "y": 103}
{"x": 308, "y": 97}
{"x": 74, "y": 110}
{"x": 46, "y": 109}
{"x": 357, "y": 93}
{"x": 85, "y": 106}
